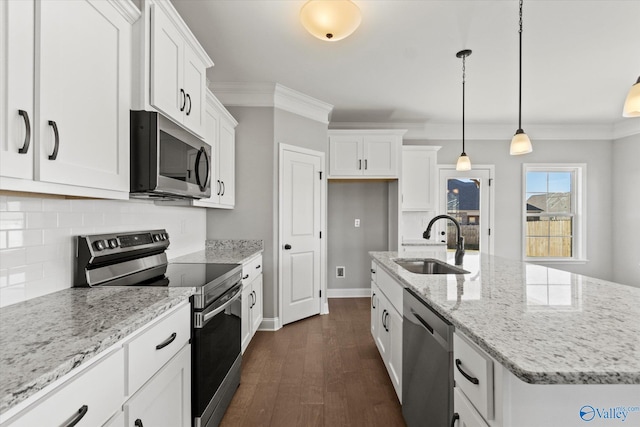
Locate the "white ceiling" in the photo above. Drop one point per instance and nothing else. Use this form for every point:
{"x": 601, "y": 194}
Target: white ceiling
{"x": 579, "y": 58}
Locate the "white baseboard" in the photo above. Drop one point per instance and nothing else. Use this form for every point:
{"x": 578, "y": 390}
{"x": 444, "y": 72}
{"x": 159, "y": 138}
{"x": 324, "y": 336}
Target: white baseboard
{"x": 349, "y": 293}
{"x": 270, "y": 324}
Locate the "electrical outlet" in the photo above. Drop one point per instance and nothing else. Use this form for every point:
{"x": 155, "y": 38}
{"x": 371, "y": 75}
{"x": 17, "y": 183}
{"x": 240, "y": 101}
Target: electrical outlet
{"x": 357, "y": 222}
{"x": 340, "y": 272}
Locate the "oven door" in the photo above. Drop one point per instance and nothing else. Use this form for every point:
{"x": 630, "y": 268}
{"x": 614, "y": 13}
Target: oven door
{"x": 216, "y": 357}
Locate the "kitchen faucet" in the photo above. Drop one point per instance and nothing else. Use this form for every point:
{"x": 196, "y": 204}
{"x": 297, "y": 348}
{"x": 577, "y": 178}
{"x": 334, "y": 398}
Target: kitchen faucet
{"x": 459, "y": 238}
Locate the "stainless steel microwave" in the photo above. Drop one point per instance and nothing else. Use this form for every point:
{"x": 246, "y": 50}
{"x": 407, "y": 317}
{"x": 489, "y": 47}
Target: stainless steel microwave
{"x": 167, "y": 161}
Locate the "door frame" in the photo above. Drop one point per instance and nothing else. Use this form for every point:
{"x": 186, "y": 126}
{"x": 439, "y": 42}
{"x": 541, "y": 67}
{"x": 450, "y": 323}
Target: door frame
{"x": 324, "y": 306}
{"x": 442, "y": 204}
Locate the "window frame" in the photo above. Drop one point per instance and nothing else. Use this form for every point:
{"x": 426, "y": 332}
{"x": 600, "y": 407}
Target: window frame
{"x": 579, "y": 213}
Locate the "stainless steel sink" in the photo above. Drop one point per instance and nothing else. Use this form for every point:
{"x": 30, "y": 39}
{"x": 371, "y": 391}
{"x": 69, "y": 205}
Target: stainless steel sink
{"x": 428, "y": 266}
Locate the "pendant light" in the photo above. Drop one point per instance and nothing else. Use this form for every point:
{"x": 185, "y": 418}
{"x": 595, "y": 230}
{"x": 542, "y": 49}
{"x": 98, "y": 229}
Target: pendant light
{"x": 632, "y": 104}
{"x": 520, "y": 143}
{"x": 330, "y": 20}
{"x": 464, "y": 164}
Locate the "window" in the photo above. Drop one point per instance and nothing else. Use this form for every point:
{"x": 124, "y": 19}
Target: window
{"x": 554, "y": 222}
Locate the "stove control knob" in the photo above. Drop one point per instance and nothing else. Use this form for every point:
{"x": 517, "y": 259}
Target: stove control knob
{"x": 165, "y": 236}
{"x": 156, "y": 237}
{"x": 100, "y": 245}
{"x": 113, "y": 243}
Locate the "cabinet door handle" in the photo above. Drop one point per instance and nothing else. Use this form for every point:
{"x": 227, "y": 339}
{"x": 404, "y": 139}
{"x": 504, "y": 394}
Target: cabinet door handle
{"x": 386, "y": 321}
{"x": 202, "y": 185}
{"x": 373, "y": 271}
{"x": 224, "y": 188}
{"x": 245, "y": 277}
{"x": 184, "y": 99}
{"x": 373, "y": 300}
{"x": 255, "y": 298}
{"x": 359, "y": 164}
{"x": 455, "y": 418}
{"x": 75, "y": 419}
{"x": 219, "y": 187}
{"x": 365, "y": 164}
{"x": 471, "y": 379}
{"x": 138, "y": 423}
{"x": 189, "y": 109}
{"x": 27, "y": 134}
{"x": 56, "y": 145}
{"x": 166, "y": 342}
{"x": 258, "y": 266}
{"x": 384, "y": 325}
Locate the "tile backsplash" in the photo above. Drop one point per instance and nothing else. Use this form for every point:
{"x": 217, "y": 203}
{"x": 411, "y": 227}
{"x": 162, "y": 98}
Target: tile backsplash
{"x": 37, "y": 237}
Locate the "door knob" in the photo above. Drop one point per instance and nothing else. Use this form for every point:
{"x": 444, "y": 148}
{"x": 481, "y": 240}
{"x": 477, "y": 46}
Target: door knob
{"x": 287, "y": 246}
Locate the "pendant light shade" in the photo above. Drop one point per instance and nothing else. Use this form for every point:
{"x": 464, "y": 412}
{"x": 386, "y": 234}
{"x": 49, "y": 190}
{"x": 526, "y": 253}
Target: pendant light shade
{"x": 330, "y": 20}
{"x": 632, "y": 104}
{"x": 464, "y": 163}
{"x": 520, "y": 143}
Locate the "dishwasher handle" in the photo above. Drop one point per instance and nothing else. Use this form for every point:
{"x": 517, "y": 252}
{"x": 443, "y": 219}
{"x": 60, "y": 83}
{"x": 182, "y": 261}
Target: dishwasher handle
{"x": 424, "y": 322}
{"x": 445, "y": 342}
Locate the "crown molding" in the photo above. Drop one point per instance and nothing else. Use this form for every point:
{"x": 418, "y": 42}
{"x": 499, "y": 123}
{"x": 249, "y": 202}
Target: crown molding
{"x": 365, "y": 131}
{"x": 626, "y": 127}
{"x": 495, "y": 131}
{"x": 272, "y": 95}
{"x": 127, "y": 9}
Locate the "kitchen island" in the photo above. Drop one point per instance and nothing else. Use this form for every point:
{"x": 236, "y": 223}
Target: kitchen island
{"x": 558, "y": 339}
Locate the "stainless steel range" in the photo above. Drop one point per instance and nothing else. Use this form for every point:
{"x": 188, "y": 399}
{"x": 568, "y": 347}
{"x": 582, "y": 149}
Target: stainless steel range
{"x": 139, "y": 259}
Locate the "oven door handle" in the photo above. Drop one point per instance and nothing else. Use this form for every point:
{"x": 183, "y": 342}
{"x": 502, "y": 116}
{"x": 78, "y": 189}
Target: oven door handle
{"x": 235, "y": 295}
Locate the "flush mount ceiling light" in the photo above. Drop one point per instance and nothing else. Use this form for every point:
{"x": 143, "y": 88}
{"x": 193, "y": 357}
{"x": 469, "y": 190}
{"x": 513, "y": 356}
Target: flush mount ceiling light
{"x": 520, "y": 144}
{"x": 632, "y": 104}
{"x": 330, "y": 20}
{"x": 464, "y": 164}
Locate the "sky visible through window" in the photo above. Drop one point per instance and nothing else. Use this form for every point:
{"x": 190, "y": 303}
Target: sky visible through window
{"x": 548, "y": 182}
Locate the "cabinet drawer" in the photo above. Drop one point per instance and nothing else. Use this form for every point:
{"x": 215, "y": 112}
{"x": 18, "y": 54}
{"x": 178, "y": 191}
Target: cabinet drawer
{"x": 390, "y": 288}
{"x": 99, "y": 389}
{"x": 469, "y": 417}
{"x": 473, "y": 374}
{"x": 251, "y": 269}
{"x": 154, "y": 346}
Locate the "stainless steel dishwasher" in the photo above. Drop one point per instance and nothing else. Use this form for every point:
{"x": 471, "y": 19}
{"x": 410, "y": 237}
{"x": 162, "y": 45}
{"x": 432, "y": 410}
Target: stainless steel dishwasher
{"x": 427, "y": 365}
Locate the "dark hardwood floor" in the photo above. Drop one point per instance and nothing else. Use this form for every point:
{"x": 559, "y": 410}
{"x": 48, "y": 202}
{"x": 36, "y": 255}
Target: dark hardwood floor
{"x": 320, "y": 371}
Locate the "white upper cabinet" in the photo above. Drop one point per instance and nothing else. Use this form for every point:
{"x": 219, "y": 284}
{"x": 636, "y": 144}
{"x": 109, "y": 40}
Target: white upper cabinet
{"x": 364, "y": 154}
{"x": 177, "y": 69}
{"x": 221, "y": 135}
{"x": 68, "y": 84}
{"x": 419, "y": 178}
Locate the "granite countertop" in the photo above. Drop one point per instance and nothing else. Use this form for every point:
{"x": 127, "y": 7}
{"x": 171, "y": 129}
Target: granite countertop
{"x": 224, "y": 252}
{"x": 545, "y": 325}
{"x": 44, "y": 338}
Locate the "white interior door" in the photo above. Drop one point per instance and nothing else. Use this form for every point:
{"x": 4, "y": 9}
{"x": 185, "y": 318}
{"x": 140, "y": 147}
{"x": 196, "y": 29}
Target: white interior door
{"x": 300, "y": 244}
{"x": 467, "y": 196}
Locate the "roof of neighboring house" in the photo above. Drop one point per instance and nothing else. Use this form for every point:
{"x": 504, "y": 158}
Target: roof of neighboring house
{"x": 549, "y": 202}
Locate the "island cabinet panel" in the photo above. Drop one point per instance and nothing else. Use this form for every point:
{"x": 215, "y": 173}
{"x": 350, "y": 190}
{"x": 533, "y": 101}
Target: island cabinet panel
{"x": 386, "y": 324}
{"x": 467, "y": 416}
{"x": 91, "y": 397}
{"x": 251, "y": 300}
{"x": 473, "y": 374}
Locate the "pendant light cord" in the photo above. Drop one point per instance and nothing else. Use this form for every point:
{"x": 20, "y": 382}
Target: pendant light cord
{"x": 464, "y": 57}
{"x": 520, "y": 74}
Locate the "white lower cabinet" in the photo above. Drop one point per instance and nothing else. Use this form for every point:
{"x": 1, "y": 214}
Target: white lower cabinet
{"x": 386, "y": 323}
{"x": 252, "y": 314}
{"x": 147, "y": 374}
{"x": 465, "y": 413}
{"x": 91, "y": 397}
{"x": 166, "y": 399}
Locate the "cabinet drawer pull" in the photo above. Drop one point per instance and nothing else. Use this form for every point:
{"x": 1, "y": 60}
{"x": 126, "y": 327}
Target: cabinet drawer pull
{"x": 54, "y": 155}
{"x": 373, "y": 299}
{"x": 166, "y": 342}
{"x": 27, "y": 134}
{"x": 471, "y": 379}
{"x": 138, "y": 423}
{"x": 359, "y": 164}
{"x": 424, "y": 322}
{"x": 455, "y": 418}
{"x": 258, "y": 266}
{"x": 75, "y": 419}
{"x": 189, "y": 108}
{"x": 365, "y": 164}
{"x": 373, "y": 271}
{"x": 184, "y": 99}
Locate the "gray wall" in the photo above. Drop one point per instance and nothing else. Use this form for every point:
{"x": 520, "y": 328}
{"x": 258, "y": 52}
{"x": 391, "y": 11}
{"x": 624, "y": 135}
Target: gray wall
{"x": 508, "y": 190}
{"x": 255, "y": 216}
{"x": 348, "y": 246}
{"x": 626, "y": 211}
